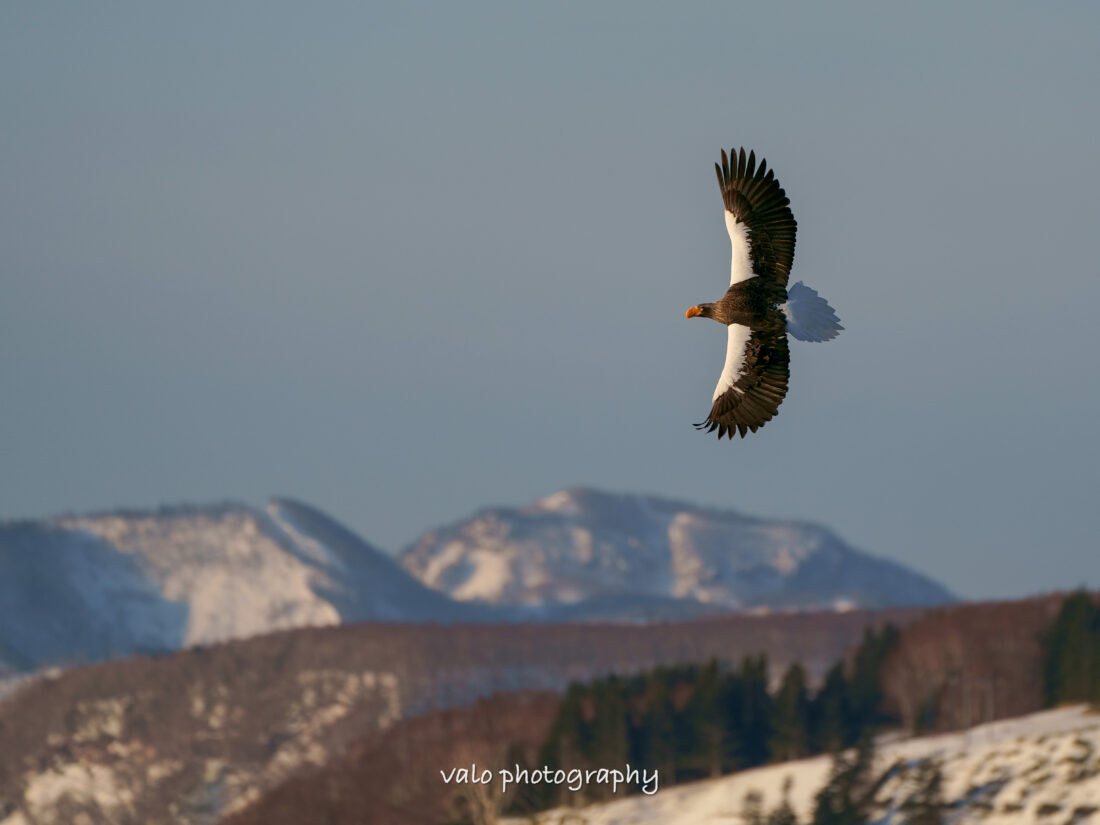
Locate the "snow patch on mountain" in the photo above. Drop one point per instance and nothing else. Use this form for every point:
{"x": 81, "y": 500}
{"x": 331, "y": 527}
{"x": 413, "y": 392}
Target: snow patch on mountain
{"x": 236, "y": 579}
{"x": 90, "y": 587}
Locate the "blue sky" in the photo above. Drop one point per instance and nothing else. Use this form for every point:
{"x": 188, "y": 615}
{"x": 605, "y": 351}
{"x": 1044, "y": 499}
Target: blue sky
{"x": 402, "y": 261}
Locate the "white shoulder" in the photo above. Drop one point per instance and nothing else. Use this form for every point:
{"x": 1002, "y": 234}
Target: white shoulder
{"x": 741, "y": 265}
{"x": 738, "y": 337}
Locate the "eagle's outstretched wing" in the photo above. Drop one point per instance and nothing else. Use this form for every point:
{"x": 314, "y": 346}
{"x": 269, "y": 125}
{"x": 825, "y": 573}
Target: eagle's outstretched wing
{"x": 753, "y": 382}
{"x": 758, "y": 218}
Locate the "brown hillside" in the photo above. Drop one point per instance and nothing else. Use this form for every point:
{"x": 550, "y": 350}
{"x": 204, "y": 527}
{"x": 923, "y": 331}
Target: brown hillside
{"x": 394, "y": 776}
{"x": 963, "y": 665}
{"x": 971, "y": 663}
{"x": 186, "y": 737}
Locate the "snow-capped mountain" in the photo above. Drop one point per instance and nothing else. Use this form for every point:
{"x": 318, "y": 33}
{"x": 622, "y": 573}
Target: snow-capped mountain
{"x": 84, "y": 588}
{"x": 579, "y": 546}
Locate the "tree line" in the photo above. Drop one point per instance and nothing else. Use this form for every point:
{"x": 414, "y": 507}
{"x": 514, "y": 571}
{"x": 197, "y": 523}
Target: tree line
{"x": 695, "y": 721}
{"x": 964, "y": 665}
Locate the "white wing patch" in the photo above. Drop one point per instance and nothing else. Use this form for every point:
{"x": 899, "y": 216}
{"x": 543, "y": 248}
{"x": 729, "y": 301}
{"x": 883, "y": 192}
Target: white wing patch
{"x": 741, "y": 266}
{"x": 735, "y": 357}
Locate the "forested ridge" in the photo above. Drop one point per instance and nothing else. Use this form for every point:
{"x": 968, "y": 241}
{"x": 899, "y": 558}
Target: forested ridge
{"x": 694, "y": 721}
{"x": 953, "y": 668}
{"x": 944, "y": 670}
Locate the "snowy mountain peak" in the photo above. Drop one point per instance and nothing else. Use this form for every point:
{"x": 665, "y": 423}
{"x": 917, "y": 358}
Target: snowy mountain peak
{"x": 580, "y": 544}
{"x": 89, "y": 587}
{"x": 232, "y": 570}
{"x": 563, "y": 501}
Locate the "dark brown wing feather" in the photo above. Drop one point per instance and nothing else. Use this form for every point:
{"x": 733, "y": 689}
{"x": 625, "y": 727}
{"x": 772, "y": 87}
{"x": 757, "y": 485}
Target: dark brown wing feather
{"x": 756, "y": 199}
{"x": 757, "y": 393}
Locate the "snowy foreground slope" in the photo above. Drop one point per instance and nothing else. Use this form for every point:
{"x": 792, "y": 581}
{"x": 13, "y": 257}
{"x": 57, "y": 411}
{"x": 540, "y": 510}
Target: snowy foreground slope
{"x": 579, "y": 545}
{"x": 1039, "y": 768}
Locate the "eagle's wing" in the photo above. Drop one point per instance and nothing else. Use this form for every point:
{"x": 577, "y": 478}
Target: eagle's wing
{"x": 753, "y": 382}
{"x": 758, "y": 219}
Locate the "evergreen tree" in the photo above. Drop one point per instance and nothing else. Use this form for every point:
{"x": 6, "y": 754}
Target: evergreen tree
{"x": 1072, "y": 652}
{"x": 729, "y": 710}
{"x": 829, "y": 712}
{"x": 634, "y": 690}
{"x": 657, "y": 743}
{"x": 791, "y": 717}
{"x": 685, "y": 724}
{"x": 746, "y": 710}
{"x": 609, "y": 745}
{"x": 752, "y": 809}
{"x": 703, "y": 725}
{"x": 525, "y": 797}
{"x": 756, "y": 710}
{"x": 562, "y": 748}
{"x": 925, "y": 806}
{"x": 784, "y": 813}
{"x": 865, "y": 697}
{"x": 848, "y": 797}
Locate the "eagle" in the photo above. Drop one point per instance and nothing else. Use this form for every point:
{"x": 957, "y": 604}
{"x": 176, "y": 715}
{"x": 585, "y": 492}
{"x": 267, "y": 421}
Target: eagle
{"x": 758, "y": 309}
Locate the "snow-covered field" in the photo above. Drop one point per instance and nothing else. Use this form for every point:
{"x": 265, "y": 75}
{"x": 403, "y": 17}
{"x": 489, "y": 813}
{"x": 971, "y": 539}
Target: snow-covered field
{"x": 1039, "y": 768}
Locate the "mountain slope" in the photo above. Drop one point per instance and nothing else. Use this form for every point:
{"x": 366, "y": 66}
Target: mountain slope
{"x": 85, "y": 588}
{"x": 579, "y": 545}
{"x": 187, "y": 737}
{"x": 91, "y": 587}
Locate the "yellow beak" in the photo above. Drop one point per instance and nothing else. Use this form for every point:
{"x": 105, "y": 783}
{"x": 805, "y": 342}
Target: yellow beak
{"x": 692, "y": 312}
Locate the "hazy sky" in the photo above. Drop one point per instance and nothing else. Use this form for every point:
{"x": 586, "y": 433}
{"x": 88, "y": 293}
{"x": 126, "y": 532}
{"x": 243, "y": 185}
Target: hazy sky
{"x": 402, "y": 261}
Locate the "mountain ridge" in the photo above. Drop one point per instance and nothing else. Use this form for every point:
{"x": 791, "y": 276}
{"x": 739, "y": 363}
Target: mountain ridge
{"x": 82, "y": 588}
{"x": 581, "y": 543}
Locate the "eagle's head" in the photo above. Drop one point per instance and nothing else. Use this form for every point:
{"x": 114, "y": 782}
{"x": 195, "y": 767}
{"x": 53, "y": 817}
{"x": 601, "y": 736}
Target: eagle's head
{"x": 703, "y": 310}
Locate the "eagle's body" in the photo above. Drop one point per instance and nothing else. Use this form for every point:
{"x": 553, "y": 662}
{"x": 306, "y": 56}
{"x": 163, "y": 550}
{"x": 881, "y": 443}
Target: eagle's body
{"x": 753, "y": 302}
{"x": 758, "y": 309}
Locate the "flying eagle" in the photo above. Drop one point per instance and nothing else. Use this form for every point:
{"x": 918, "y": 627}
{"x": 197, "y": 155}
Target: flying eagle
{"x": 758, "y": 309}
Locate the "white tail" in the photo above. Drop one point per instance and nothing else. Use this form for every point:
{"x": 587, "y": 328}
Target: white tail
{"x": 809, "y": 316}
